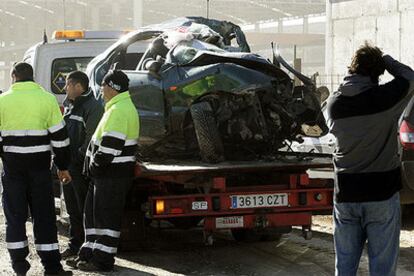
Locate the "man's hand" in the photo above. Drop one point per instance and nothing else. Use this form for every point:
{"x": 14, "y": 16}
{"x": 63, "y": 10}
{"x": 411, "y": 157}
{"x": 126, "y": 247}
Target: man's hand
{"x": 64, "y": 177}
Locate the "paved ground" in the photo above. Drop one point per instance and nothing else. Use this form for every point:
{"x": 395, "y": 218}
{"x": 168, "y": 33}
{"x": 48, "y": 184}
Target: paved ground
{"x": 183, "y": 253}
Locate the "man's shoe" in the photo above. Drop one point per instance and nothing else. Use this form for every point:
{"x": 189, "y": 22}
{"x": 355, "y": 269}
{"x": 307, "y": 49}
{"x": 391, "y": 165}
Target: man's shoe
{"x": 68, "y": 253}
{"x": 60, "y": 273}
{"x": 89, "y": 266}
{"x": 73, "y": 262}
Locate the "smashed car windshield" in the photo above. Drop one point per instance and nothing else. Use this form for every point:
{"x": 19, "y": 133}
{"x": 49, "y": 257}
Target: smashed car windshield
{"x": 185, "y": 51}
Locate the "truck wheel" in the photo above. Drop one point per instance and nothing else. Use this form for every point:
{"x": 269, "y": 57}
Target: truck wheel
{"x": 208, "y": 136}
{"x": 251, "y": 235}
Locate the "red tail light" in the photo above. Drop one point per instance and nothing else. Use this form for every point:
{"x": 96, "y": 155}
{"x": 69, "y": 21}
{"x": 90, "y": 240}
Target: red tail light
{"x": 407, "y": 135}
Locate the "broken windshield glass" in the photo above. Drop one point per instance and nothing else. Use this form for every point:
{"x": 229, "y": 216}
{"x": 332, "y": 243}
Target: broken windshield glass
{"x": 185, "y": 51}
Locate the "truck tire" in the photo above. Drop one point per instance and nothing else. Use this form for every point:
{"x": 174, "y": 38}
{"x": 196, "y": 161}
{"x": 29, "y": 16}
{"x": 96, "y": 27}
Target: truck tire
{"x": 208, "y": 137}
{"x": 251, "y": 235}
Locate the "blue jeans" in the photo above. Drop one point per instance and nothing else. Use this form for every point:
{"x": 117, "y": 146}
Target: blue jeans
{"x": 377, "y": 222}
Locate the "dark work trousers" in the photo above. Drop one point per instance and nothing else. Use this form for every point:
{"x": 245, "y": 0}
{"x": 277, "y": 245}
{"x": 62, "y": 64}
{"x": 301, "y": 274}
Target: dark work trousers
{"x": 25, "y": 188}
{"x": 75, "y": 195}
{"x": 104, "y": 207}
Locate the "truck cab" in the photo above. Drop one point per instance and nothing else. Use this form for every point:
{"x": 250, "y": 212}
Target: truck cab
{"x": 68, "y": 50}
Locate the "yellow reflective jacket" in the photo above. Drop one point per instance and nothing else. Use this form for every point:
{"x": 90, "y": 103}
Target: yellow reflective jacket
{"x": 31, "y": 126}
{"x": 111, "y": 152}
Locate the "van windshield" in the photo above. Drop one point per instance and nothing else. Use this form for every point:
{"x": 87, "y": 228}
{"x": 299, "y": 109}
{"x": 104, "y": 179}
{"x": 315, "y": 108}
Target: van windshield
{"x": 61, "y": 67}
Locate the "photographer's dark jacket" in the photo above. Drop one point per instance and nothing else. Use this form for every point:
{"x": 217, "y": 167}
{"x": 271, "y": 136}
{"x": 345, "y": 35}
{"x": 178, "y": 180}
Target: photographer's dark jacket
{"x": 363, "y": 116}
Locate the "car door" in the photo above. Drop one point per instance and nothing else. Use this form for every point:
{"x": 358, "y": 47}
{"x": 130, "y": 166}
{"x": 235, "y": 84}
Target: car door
{"x": 147, "y": 95}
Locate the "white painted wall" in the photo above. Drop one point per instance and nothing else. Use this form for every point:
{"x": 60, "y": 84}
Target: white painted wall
{"x": 389, "y": 24}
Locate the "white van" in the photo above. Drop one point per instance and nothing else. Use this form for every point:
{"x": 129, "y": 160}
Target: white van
{"x": 68, "y": 50}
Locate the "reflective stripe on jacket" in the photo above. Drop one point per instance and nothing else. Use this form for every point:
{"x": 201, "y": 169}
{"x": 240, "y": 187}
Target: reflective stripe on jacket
{"x": 82, "y": 117}
{"x": 111, "y": 152}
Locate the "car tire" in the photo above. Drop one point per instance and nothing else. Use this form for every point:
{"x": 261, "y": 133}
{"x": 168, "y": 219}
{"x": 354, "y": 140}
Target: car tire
{"x": 208, "y": 137}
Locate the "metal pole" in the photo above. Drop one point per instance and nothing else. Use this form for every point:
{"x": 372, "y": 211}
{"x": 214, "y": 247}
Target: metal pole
{"x": 208, "y": 8}
{"x": 64, "y": 15}
{"x": 138, "y": 13}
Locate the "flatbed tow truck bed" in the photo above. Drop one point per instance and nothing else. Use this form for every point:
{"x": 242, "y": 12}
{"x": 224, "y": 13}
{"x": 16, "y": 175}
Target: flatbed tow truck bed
{"x": 192, "y": 167}
{"x": 250, "y": 198}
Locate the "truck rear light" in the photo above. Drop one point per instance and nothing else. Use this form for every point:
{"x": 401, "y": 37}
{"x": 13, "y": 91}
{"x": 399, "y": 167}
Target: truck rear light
{"x": 407, "y": 135}
{"x": 159, "y": 207}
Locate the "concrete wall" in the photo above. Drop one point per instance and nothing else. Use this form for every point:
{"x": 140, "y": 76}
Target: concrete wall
{"x": 387, "y": 23}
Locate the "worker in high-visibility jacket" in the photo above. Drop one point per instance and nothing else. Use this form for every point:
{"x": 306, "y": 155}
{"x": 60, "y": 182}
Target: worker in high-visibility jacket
{"x": 31, "y": 126}
{"x": 110, "y": 161}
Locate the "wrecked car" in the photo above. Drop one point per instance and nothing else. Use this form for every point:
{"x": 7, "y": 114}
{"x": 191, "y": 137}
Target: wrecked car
{"x": 200, "y": 93}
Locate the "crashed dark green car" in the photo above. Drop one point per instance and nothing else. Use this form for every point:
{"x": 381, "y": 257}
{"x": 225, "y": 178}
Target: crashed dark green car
{"x": 201, "y": 94}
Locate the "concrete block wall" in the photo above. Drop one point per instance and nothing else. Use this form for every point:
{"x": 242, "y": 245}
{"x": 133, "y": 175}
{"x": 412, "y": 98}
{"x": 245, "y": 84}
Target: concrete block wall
{"x": 386, "y": 23}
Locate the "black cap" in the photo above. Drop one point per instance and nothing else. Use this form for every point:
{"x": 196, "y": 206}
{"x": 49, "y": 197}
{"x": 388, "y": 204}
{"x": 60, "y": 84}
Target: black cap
{"x": 117, "y": 80}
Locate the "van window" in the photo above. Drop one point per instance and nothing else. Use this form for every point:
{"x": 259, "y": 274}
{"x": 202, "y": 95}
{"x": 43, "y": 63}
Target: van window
{"x": 63, "y": 66}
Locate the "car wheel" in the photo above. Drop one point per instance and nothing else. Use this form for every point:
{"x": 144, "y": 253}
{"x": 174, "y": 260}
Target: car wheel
{"x": 208, "y": 136}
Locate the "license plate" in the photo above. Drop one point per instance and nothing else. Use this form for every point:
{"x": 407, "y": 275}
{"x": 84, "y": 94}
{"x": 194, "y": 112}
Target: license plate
{"x": 229, "y": 222}
{"x": 259, "y": 200}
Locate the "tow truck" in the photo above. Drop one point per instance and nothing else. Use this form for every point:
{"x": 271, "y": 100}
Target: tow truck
{"x": 204, "y": 103}
{"x": 214, "y": 118}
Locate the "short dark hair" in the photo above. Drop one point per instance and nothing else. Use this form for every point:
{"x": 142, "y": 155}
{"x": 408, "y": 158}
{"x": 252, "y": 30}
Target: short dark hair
{"x": 368, "y": 61}
{"x": 79, "y": 77}
{"x": 22, "y": 71}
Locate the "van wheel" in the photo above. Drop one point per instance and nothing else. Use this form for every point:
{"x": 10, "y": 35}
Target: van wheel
{"x": 208, "y": 137}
